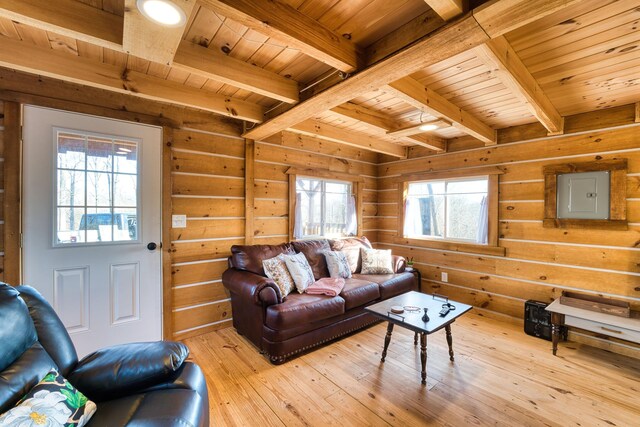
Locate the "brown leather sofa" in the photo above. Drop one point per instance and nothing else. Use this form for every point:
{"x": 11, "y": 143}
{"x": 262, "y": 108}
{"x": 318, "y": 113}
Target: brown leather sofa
{"x": 282, "y": 327}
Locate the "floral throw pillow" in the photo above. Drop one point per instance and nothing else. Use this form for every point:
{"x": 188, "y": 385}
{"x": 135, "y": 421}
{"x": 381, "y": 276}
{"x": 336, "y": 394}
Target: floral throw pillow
{"x": 337, "y": 264}
{"x": 276, "y": 269}
{"x": 376, "y": 261}
{"x": 52, "y": 402}
{"x": 300, "y": 271}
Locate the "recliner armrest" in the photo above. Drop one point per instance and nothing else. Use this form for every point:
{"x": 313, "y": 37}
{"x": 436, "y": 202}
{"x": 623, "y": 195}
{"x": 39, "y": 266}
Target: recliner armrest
{"x": 251, "y": 287}
{"x": 125, "y": 369}
{"x": 399, "y": 263}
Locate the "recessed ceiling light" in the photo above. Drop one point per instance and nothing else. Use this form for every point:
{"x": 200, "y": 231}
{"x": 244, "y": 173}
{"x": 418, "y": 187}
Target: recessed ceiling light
{"x": 163, "y": 12}
{"x": 428, "y": 127}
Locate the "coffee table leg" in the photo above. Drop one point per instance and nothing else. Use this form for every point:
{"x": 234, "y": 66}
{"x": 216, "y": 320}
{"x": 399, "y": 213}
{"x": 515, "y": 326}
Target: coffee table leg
{"x": 415, "y": 338}
{"x": 449, "y": 341}
{"x": 423, "y": 356}
{"x": 387, "y": 340}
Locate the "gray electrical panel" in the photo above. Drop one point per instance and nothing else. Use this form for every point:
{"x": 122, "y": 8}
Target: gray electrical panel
{"x": 584, "y": 195}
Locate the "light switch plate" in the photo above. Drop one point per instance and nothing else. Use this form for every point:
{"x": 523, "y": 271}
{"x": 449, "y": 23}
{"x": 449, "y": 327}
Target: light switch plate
{"x": 445, "y": 276}
{"x": 179, "y": 221}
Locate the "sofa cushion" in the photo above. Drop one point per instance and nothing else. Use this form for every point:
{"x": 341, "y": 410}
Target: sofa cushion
{"x": 390, "y": 284}
{"x": 173, "y": 407}
{"x": 276, "y": 270}
{"x": 250, "y": 257}
{"x": 359, "y": 292}
{"x": 313, "y": 251}
{"x": 303, "y": 308}
{"x": 18, "y": 332}
{"x": 351, "y": 248}
{"x": 337, "y": 264}
{"x": 53, "y": 401}
{"x": 300, "y": 271}
{"x": 376, "y": 261}
{"x": 23, "y": 374}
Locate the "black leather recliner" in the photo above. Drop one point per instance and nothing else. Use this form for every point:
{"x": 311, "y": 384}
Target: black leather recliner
{"x": 141, "y": 384}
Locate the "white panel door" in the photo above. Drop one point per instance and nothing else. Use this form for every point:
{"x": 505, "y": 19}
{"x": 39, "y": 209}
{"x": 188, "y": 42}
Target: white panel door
{"x": 91, "y": 207}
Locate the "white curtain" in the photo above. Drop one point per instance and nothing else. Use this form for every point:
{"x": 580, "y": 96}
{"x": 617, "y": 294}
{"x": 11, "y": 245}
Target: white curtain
{"x": 483, "y": 222}
{"x": 297, "y": 227}
{"x": 412, "y": 217}
{"x": 352, "y": 219}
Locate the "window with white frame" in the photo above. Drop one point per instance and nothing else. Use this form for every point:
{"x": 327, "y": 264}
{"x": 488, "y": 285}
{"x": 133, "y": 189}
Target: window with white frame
{"x": 448, "y": 209}
{"x": 324, "y": 208}
{"x": 97, "y": 183}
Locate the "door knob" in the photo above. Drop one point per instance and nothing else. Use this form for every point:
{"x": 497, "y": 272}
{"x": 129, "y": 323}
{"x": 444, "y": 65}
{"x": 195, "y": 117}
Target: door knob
{"x": 152, "y": 246}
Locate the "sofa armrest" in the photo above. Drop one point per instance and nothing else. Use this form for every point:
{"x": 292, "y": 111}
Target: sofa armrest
{"x": 399, "y": 263}
{"x": 251, "y": 287}
{"x": 126, "y": 369}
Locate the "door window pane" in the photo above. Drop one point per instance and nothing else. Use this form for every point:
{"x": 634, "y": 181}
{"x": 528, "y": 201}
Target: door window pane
{"x": 97, "y": 189}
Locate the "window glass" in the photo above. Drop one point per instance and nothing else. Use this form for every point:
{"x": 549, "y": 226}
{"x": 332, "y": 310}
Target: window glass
{"x": 447, "y": 209}
{"x": 96, "y": 189}
{"x": 323, "y": 208}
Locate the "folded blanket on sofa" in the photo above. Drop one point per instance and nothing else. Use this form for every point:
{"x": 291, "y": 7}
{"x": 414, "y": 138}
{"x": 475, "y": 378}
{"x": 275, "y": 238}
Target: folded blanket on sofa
{"x": 326, "y": 286}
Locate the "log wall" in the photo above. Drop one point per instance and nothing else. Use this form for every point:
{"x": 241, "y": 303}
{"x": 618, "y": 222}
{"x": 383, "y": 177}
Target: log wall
{"x": 208, "y": 181}
{"x": 540, "y": 262}
{"x": 2, "y": 215}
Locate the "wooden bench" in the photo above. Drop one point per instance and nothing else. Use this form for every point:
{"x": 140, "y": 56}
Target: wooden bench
{"x": 562, "y": 316}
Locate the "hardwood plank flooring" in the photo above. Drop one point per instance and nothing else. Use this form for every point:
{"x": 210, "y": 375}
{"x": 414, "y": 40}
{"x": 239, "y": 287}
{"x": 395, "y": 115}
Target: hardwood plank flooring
{"x": 500, "y": 377}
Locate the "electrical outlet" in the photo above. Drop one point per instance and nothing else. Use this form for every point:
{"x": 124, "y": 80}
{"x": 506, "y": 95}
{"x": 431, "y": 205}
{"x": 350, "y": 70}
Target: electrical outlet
{"x": 179, "y": 221}
{"x": 445, "y": 276}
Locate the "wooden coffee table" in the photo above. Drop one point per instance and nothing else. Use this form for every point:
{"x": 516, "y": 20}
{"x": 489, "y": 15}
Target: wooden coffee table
{"x": 412, "y": 320}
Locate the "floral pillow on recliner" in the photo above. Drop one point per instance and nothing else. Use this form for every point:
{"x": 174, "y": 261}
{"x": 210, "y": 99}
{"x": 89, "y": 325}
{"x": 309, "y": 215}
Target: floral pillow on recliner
{"x": 52, "y": 402}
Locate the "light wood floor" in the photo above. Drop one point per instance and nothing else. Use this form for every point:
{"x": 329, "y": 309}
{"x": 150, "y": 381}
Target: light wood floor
{"x": 500, "y": 377}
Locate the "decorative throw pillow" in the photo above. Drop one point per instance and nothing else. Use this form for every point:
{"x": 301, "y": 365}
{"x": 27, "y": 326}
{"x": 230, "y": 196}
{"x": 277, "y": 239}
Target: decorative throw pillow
{"x": 300, "y": 271}
{"x": 52, "y": 402}
{"x": 337, "y": 264}
{"x": 276, "y": 269}
{"x": 376, "y": 261}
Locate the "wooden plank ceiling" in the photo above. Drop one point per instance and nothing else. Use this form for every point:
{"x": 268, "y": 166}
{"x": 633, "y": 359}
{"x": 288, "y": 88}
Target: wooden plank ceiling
{"x": 364, "y": 72}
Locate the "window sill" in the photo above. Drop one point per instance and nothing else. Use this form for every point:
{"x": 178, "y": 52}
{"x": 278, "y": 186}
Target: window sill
{"x": 452, "y": 246}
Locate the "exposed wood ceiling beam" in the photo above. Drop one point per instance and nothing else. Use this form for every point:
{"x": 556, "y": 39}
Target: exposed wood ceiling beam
{"x": 366, "y": 115}
{"x": 386, "y": 124}
{"x": 450, "y": 40}
{"x": 27, "y": 57}
{"x": 214, "y": 65}
{"x": 69, "y": 18}
{"x": 500, "y": 56}
{"x": 454, "y": 38}
{"x": 77, "y": 20}
{"x": 285, "y": 23}
{"x": 498, "y": 17}
{"x": 413, "y": 30}
{"x": 414, "y": 93}
{"x": 348, "y": 137}
{"x": 417, "y": 128}
{"x": 448, "y": 9}
{"x": 149, "y": 40}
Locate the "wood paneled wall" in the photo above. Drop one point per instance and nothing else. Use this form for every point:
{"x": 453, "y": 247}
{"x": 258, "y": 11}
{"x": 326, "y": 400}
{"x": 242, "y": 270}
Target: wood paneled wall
{"x": 540, "y": 262}
{"x": 208, "y": 180}
{"x": 274, "y": 156}
{"x": 2, "y": 191}
{"x": 9, "y": 191}
{"x": 207, "y": 174}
